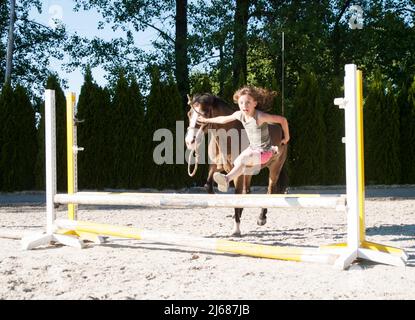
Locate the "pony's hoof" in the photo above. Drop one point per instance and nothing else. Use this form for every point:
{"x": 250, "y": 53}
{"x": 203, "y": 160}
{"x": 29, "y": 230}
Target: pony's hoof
{"x": 209, "y": 189}
{"x": 261, "y": 222}
{"x": 236, "y": 234}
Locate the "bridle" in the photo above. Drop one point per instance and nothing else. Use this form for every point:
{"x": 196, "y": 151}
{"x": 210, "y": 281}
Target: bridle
{"x": 197, "y": 137}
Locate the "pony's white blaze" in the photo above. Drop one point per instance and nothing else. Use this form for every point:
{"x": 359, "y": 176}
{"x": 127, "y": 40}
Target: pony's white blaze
{"x": 192, "y": 132}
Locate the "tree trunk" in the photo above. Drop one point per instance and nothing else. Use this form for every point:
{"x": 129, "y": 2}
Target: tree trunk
{"x": 336, "y": 40}
{"x": 182, "y": 68}
{"x": 221, "y": 70}
{"x": 239, "y": 67}
{"x": 10, "y": 42}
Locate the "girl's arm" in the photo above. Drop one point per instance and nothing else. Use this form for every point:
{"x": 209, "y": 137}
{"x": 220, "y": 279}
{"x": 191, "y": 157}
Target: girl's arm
{"x": 219, "y": 120}
{"x": 272, "y": 118}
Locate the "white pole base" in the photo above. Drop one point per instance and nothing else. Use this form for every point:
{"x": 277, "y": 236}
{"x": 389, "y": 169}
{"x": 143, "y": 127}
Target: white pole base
{"x": 381, "y": 257}
{"x": 345, "y": 259}
{"x": 37, "y": 240}
{"x": 349, "y": 256}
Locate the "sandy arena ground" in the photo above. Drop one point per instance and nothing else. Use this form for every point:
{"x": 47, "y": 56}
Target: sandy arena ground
{"x": 129, "y": 269}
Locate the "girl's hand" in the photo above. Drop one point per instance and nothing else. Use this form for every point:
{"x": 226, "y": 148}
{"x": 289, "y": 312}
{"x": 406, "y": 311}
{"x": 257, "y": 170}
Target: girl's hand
{"x": 203, "y": 120}
{"x": 285, "y": 140}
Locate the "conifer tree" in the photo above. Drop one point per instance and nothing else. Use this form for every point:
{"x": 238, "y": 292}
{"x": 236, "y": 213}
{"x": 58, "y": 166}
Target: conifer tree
{"x": 137, "y": 124}
{"x": 40, "y": 171}
{"x": 392, "y": 164}
{"x": 307, "y": 132}
{"x": 18, "y": 145}
{"x": 152, "y": 120}
{"x": 106, "y": 133}
{"x": 163, "y": 110}
{"x": 178, "y": 177}
{"x": 381, "y": 125}
{"x": 283, "y": 179}
{"x": 90, "y": 110}
{"x": 373, "y": 124}
{"x": 60, "y": 114}
{"x": 334, "y": 120}
{"x": 123, "y": 129}
{"x": 9, "y": 136}
{"x": 27, "y": 144}
{"x": 201, "y": 84}
{"x": 406, "y": 103}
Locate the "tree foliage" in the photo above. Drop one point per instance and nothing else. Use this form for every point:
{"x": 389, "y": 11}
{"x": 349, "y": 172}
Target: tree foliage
{"x": 92, "y": 108}
{"x": 164, "y": 109}
{"x": 381, "y": 127}
{"x": 308, "y": 134}
{"x": 53, "y": 83}
{"x": 18, "y": 146}
{"x": 34, "y": 46}
{"x": 406, "y": 101}
{"x": 214, "y": 46}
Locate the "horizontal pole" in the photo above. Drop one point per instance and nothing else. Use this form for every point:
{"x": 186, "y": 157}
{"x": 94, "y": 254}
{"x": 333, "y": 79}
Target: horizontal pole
{"x": 180, "y": 200}
{"x": 217, "y": 245}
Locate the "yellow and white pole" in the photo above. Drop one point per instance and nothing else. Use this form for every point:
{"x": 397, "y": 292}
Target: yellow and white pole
{"x": 211, "y": 244}
{"x": 352, "y": 159}
{"x": 71, "y": 160}
{"x": 360, "y": 156}
{"x": 353, "y": 173}
{"x": 356, "y": 245}
{"x": 50, "y": 158}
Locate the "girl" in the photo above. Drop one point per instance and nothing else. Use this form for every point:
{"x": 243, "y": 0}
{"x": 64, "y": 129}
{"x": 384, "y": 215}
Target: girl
{"x": 255, "y": 123}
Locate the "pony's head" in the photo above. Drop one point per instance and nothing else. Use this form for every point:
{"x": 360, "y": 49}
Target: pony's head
{"x": 200, "y": 105}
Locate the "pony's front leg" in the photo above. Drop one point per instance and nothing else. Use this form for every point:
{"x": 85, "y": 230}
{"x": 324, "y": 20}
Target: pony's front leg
{"x": 247, "y": 184}
{"x": 274, "y": 174}
{"x": 209, "y": 182}
{"x": 239, "y": 189}
{"x": 236, "y": 231}
{"x": 262, "y": 218}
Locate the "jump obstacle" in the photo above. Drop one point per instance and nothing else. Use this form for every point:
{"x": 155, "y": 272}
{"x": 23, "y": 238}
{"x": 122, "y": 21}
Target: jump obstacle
{"x": 72, "y": 232}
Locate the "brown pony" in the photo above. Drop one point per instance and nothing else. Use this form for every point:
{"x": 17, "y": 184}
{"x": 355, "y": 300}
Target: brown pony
{"x": 221, "y": 148}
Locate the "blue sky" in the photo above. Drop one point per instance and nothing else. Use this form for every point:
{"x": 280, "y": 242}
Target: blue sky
{"x": 85, "y": 24}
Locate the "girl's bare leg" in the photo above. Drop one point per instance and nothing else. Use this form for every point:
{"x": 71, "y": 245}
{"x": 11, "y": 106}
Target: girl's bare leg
{"x": 247, "y": 158}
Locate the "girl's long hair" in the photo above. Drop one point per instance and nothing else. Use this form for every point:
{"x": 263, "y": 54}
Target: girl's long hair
{"x": 264, "y": 97}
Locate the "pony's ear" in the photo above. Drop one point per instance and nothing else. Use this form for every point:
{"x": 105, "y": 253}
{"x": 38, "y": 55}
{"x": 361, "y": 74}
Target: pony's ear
{"x": 189, "y": 100}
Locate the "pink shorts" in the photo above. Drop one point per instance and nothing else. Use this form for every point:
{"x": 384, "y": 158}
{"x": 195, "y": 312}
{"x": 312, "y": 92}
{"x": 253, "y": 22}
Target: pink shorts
{"x": 265, "y": 156}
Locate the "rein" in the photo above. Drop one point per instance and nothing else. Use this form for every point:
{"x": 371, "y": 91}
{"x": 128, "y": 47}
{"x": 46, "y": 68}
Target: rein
{"x": 198, "y": 134}
{"x": 197, "y": 155}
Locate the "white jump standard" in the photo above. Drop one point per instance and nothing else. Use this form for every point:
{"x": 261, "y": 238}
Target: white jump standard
{"x": 71, "y": 232}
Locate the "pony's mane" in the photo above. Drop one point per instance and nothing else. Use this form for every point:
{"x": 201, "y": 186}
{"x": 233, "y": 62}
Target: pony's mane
{"x": 208, "y": 99}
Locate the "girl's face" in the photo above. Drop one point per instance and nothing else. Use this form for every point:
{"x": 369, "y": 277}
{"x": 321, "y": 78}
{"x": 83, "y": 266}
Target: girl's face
{"x": 247, "y": 104}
